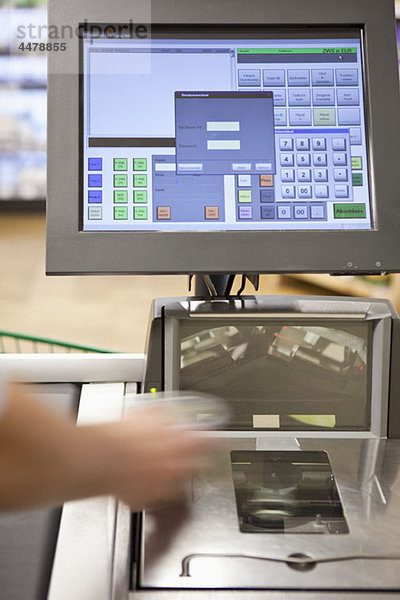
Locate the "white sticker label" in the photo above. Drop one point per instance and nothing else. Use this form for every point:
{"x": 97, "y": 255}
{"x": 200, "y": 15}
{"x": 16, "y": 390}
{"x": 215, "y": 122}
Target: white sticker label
{"x": 266, "y": 421}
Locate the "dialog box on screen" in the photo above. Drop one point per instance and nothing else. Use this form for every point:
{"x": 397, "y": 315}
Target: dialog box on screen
{"x": 222, "y": 133}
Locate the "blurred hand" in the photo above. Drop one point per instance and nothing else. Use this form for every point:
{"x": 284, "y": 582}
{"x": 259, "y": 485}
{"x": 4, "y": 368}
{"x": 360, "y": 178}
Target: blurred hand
{"x": 44, "y": 459}
{"x": 148, "y": 459}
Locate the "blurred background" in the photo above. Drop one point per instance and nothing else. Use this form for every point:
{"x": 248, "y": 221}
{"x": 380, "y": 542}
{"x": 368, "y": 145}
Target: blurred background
{"x": 102, "y": 311}
{"x": 22, "y": 108}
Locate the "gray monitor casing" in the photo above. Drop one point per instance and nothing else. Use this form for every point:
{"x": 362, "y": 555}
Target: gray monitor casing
{"x": 71, "y": 251}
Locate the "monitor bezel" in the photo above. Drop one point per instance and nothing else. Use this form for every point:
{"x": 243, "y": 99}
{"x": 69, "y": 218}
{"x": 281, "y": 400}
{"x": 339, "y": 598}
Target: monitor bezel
{"x": 73, "y": 251}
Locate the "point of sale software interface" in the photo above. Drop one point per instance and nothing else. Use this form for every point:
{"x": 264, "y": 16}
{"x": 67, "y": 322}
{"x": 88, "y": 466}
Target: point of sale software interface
{"x": 216, "y": 134}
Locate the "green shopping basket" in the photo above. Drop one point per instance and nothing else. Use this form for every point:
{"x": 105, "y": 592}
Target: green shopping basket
{"x": 16, "y": 343}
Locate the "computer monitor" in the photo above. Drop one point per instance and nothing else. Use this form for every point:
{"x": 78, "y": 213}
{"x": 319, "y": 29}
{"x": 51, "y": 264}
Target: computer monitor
{"x": 242, "y": 138}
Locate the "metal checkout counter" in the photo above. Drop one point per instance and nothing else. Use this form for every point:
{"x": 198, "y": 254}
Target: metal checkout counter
{"x": 239, "y": 138}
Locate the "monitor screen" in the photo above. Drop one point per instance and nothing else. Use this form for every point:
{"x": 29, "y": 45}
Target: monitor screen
{"x": 223, "y": 130}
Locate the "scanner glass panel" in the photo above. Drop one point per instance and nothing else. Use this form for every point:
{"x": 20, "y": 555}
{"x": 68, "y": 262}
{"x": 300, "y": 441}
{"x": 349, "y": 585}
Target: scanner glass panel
{"x": 286, "y": 492}
{"x": 281, "y": 375}
{"x": 199, "y": 131}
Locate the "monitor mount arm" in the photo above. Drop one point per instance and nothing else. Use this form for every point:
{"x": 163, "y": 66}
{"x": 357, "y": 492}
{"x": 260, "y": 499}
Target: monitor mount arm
{"x": 213, "y": 285}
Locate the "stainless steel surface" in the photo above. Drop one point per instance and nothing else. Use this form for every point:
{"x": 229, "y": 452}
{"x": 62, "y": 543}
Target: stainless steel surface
{"x": 84, "y": 554}
{"x": 122, "y": 555}
{"x": 93, "y": 559}
{"x": 380, "y": 376}
{"x": 81, "y": 368}
{"x": 278, "y": 306}
{"x": 255, "y": 595}
{"x": 277, "y": 315}
{"x": 368, "y": 479}
{"x": 83, "y": 563}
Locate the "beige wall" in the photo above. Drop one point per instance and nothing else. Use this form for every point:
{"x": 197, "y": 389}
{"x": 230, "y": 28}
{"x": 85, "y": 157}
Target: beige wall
{"x": 108, "y": 312}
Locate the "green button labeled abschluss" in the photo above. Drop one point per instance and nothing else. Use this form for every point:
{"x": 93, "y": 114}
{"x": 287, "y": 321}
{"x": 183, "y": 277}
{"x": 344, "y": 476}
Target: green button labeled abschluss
{"x": 140, "y": 212}
{"x": 140, "y": 180}
{"x": 140, "y": 164}
{"x": 140, "y": 196}
{"x": 350, "y": 211}
{"x": 120, "y": 180}
{"x": 120, "y": 196}
{"x": 120, "y": 164}
{"x": 120, "y": 213}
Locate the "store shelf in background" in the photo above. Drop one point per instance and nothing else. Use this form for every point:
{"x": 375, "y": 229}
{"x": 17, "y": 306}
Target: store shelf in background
{"x": 371, "y": 287}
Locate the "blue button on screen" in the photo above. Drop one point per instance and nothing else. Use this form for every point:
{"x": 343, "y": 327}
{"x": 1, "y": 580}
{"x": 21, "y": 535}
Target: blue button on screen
{"x": 95, "y": 196}
{"x": 95, "y": 164}
{"x": 95, "y": 180}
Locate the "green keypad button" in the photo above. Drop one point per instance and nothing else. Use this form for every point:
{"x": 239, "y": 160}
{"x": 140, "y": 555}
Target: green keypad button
{"x": 140, "y": 212}
{"x": 140, "y": 180}
{"x": 356, "y": 163}
{"x": 120, "y": 180}
{"x": 120, "y": 213}
{"x": 140, "y": 164}
{"x": 120, "y": 196}
{"x": 244, "y": 195}
{"x": 350, "y": 211}
{"x": 357, "y": 179}
{"x": 140, "y": 196}
{"x": 324, "y": 116}
{"x": 120, "y": 164}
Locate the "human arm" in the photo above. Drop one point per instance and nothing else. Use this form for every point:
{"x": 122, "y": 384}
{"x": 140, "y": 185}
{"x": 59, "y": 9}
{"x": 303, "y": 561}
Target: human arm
{"x": 45, "y": 459}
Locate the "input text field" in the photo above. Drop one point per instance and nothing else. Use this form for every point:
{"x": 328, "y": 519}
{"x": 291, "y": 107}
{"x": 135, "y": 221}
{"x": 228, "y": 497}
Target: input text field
{"x": 223, "y": 144}
{"x": 223, "y": 126}
{"x": 165, "y": 167}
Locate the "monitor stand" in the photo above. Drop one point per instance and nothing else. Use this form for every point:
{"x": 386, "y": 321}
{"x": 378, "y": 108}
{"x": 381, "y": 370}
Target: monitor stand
{"x": 220, "y": 285}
